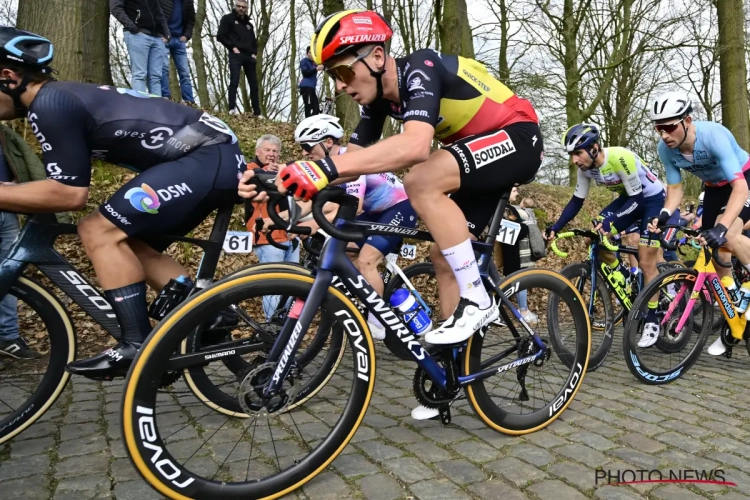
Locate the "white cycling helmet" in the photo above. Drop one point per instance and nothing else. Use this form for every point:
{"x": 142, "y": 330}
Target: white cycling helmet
{"x": 313, "y": 129}
{"x": 670, "y": 105}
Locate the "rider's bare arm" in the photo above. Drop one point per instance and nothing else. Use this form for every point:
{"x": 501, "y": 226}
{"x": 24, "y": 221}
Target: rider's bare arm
{"x": 675, "y": 193}
{"x": 42, "y": 196}
{"x": 394, "y": 153}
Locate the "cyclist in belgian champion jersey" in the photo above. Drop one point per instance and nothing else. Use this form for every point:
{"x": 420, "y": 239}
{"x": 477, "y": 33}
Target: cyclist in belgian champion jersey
{"x": 492, "y": 140}
{"x": 382, "y": 200}
{"x": 641, "y": 198}
{"x": 188, "y": 163}
{"x": 709, "y": 151}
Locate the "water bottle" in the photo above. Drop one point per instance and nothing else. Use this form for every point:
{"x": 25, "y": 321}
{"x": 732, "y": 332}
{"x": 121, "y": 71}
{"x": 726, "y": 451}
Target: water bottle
{"x": 731, "y": 287}
{"x": 170, "y": 297}
{"x": 744, "y": 299}
{"x": 414, "y": 316}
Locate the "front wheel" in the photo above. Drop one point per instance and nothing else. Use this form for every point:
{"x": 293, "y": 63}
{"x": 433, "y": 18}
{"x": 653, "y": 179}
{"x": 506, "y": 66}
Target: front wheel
{"x": 274, "y": 451}
{"x": 684, "y": 326}
{"x": 29, "y": 387}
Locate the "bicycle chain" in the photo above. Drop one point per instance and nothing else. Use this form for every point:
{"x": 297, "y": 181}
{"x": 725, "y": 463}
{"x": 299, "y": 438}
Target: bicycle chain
{"x": 434, "y": 397}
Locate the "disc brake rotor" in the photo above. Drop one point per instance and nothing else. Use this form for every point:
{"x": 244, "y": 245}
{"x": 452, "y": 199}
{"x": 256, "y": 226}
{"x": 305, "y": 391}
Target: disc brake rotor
{"x": 251, "y": 397}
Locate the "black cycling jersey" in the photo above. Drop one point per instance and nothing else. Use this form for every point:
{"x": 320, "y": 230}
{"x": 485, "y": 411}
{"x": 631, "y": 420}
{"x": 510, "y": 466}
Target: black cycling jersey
{"x": 455, "y": 95}
{"x": 76, "y": 122}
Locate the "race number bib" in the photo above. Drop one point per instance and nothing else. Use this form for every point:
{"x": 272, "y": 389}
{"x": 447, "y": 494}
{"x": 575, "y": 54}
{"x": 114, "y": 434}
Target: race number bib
{"x": 238, "y": 242}
{"x": 409, "y": 251}
{"x": 508, "y": 232}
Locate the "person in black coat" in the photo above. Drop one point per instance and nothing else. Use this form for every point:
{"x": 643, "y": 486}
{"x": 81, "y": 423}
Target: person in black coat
{"x": 237, "y": 35}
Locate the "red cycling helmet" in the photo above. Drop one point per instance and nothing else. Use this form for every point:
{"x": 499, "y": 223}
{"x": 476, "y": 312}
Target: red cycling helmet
{"x": 347, "y": 29}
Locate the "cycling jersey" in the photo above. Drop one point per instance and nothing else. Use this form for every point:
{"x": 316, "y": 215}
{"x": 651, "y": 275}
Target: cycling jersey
{"x": 455, "y": 95}
{"x": 380, "y": 191}
{"x": 623, "y": 172}
{"x": 717, "y": 159}
{"x": 77, "y": 122}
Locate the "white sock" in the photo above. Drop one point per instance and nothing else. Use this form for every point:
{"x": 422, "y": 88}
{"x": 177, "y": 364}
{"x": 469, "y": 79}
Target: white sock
{"x": 464, "y": 265}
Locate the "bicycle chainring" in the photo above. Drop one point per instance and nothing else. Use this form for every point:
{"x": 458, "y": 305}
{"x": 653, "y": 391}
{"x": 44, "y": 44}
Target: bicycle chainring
{"x": 429, "y": 394}
{"x": 251, "y": 397}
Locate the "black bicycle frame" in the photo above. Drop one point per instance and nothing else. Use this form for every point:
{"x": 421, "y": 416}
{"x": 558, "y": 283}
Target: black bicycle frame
{"x": 333, "y": 261}
{"x": 35, "y": 245}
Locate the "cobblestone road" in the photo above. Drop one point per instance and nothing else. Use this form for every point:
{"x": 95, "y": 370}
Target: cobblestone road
{"x": 699, "y": 423}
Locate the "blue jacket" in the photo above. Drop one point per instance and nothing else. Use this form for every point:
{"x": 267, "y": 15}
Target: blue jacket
{"x": 309, "y": 73}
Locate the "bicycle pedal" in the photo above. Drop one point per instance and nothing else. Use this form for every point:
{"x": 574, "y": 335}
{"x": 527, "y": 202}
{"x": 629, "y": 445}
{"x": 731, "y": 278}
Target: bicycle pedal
{"x": 445, "y": 415}
{"x": 728, "y": 353}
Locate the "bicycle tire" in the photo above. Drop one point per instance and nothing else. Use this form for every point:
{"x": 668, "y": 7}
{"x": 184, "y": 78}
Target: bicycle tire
{"x": 480, "y": 401}
{"x": 203, "y": 387}
{"x": 140, "y": 394}
{"x": 599, "y": 350}
{"x": 62, "y": 340}
{"x": 635, "y": 363}
{"x": 391, "y": 341}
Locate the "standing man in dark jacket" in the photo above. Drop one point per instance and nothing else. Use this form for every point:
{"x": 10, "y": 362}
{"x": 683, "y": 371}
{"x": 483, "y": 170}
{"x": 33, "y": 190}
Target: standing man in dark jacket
{"x": 308, "y": 83}
{"x": 180, "y": 15}
{"x": 146, "y": 31}
{"x": 237, "y": 35}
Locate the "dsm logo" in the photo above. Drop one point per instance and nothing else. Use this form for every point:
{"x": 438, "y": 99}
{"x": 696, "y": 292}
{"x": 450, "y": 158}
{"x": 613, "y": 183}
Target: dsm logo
{"x": 146, "y": 199}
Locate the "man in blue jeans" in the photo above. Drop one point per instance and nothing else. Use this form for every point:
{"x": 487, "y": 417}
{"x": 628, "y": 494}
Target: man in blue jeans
{"x": 180, "y": 15}
{"x": 145, "y": 30}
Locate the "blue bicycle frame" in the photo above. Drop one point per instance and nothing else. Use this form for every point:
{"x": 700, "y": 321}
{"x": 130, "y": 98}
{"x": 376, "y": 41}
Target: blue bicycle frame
{"x": 333, "y": 261}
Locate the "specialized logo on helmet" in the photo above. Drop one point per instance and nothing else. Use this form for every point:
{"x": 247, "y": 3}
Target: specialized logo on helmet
{"x": 144, "y": 199}
{"x": 372, "y": 37}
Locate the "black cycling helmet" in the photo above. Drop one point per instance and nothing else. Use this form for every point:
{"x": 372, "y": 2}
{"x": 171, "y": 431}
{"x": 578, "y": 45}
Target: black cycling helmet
{"x": 19, "y": 48}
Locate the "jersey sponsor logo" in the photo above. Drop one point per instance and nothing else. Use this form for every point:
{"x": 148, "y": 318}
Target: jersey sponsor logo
{"x": 635, "y": 184}
{"x": 174, "y": 191}
{"x": 474, "y": 79}
{"x": 54, "y": 172}
{"x": 143, "y": 199}
{"x": 701, "y": 155}
{"x": 311, "y": 173}
{"x": 371, "y": 37}
{"x": 490, "y": 148}
{"x": 120, "y": 218}
{"x": 464, "y": 161}
{"x": 417, "y": 112}
{"x": 46, "y": 146}
{"x": 156, "y": 137}
{"x": 362, "y": 20}
{"x": 415, "y": 84}
{"x": 427, "y": 62}
{"x": 217, "y": 124}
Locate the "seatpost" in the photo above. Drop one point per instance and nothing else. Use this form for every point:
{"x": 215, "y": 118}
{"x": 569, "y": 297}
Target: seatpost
{"x": 497, "y": 218}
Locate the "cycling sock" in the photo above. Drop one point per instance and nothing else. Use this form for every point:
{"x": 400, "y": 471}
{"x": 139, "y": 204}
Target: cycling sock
{"x": 464, "y": 264}
{"x": 651, "y": 315}
{"x": 129, "y": 305}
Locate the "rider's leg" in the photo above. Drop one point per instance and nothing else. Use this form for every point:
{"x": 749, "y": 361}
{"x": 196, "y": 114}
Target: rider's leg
{"x": 158, "y": 267}
{"x": 120, "y": 274}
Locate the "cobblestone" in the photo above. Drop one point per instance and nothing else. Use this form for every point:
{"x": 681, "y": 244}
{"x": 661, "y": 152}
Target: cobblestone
{"x": 616, "y": 424}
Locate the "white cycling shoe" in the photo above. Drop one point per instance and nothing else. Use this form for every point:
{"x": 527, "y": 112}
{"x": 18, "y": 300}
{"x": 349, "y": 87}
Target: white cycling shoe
{"x": 465, "y": 320}
{"x": 424, "y": 413}
{"x": 650, "y": 335}
{"x": 717, "y": 348}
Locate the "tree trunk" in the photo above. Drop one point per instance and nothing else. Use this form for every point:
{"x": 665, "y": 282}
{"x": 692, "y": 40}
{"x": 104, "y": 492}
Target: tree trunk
{"x": 572, "y": 75}
{"x": 733, "y": 70}
{"x": 174, "y": 82}
{"x": 455, "y": 36}
{"x": 198, "y": 55}
{"x": 293, "y": 62}
{"x": 262, "y": 33}
{"x": 79, "y": 29}
{"x": 346, "y": 109}
{"x": 503, "y": 69}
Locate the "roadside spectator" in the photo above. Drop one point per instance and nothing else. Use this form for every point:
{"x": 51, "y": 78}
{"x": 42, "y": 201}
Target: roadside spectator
{"x": 145, "y": 30}
{"x": 18, "y": 163}
{"x": 237, "y": 35}
{"x": 180, "y": 15}
{"x": 516, "y": 257}
{"x": 308, "y": 84}
{"x": 267, "y": 151}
